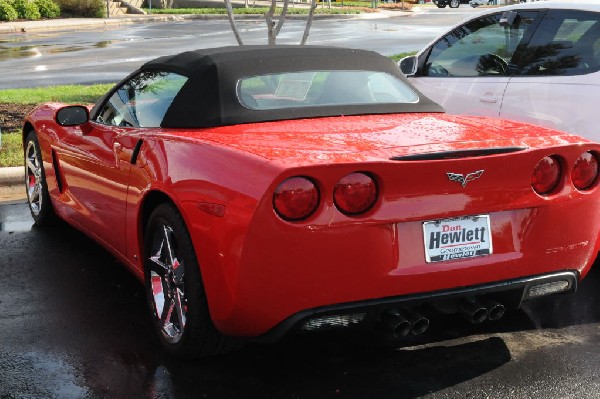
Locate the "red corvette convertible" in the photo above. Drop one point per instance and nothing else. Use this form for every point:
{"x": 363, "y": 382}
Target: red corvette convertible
{"x": 258, "y": 191}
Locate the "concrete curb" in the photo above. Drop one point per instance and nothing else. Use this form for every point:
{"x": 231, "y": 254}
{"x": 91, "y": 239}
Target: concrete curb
{"x": 12, "y": 175}
{"x": 12, "y": 187}
{"x": 81, "y": 23}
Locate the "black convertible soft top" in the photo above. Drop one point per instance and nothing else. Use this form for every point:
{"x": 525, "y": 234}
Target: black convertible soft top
{"x": 209, "y": 97}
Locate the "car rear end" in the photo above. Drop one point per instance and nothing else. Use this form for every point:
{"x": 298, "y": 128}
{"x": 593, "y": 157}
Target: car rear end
{"x": 451, "y": 226}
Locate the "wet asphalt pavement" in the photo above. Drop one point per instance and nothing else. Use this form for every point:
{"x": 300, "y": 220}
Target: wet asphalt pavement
{"x": 108, "y": 55}
{"x": 73, "y": 324}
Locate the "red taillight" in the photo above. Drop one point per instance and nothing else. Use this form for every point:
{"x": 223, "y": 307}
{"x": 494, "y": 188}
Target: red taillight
{"x": 546, "y": 175}
{"x": 585, "y": 171}
{"x": 355, "y": 193}
{"x": 296, "y": 198}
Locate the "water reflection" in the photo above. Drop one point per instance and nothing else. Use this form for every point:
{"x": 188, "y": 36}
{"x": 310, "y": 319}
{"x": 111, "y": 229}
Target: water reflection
{"x": 19, "y": 52}
{"x": 8, "y": 52}
{"x": 161, "y": 384}
{"x": 103, "y": 44}
{"x": 12, "y": 222}
{"x": 49, "y": 375}
{"x": 336, "y": 370}
{"x": 14, "y": 226}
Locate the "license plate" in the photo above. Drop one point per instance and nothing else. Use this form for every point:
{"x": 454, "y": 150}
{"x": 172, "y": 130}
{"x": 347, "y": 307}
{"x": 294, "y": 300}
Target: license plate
{"x": 457, "y": 238}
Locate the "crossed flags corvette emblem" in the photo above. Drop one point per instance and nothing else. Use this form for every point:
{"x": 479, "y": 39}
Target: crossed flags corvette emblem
{"x": 464, "y": 179}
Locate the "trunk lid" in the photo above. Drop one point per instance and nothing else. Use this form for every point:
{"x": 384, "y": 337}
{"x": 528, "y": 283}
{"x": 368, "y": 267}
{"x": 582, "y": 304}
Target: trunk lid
{"x": 372, "y": 138}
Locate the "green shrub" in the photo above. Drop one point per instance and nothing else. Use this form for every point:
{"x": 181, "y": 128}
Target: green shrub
{"x": 26, "y": 9}
{"x": 7, "y": 11}
{"x": 83, "y": 8}
{"x": 48, "y": 8}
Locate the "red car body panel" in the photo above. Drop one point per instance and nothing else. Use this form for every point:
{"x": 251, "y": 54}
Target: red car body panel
{"x": 258, "y": 269}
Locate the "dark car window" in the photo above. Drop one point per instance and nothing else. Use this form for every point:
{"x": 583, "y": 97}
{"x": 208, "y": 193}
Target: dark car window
{"x": 142, "y": 101}
{"x": 565, "y": 43}
{"x": 481, "y": 47}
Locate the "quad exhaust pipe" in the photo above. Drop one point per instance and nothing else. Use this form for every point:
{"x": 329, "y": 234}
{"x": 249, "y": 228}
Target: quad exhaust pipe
{"x": 476, "y": 312}
{"x": 399, "y": 323}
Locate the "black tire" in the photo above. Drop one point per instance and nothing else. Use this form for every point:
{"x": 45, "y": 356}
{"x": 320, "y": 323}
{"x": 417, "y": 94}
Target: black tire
{"x": 171, "y": 268}
{"x": 36, "y": 186}
{"x": 454, "y": 3}
{"x": 441, "y": 6}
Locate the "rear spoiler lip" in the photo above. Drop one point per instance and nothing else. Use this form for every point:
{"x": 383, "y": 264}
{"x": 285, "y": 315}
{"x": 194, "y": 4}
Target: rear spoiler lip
{"x": 457, "y": 154}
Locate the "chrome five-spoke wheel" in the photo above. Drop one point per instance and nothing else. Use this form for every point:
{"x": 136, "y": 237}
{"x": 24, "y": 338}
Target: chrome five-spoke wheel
{"x": 35, "y": 182}
{"x": 175, "y": 291}
{"x": 33, "y": 178}
{"x": 167, "y": 285}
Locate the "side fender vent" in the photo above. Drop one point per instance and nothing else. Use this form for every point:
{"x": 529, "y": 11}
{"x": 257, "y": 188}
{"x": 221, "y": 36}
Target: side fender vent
{"x": 55, "y": 166}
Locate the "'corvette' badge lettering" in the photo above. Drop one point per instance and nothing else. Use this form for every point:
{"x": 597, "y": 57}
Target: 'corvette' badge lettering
{"x": 464, "y": 179}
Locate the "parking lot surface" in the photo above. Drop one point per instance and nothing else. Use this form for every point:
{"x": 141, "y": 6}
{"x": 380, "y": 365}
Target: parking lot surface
{"x": 73, "y": 324}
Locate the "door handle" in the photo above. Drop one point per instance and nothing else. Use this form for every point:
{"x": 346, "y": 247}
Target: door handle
{"x": 488, "y": 98}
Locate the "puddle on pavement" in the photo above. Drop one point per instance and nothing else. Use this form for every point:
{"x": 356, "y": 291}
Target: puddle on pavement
{"x": 15, "y": 217}
{"x": 39, "y": 375}
{"x": 13, "y": 227}
{"x": 103, "y": 44}
{"x": 8, "y": 52}
{"x": 19, "y": 37}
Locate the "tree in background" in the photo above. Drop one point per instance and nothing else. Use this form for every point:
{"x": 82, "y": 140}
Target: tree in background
{"x": 26, "y": 9}
{"x": 274, "y": 23}
{"x": 7, "y": 12}
{"x": 48, "y": 8}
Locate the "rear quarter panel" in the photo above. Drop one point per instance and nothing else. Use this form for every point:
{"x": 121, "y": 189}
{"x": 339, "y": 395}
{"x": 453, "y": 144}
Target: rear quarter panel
{"x": 216, "y": 190}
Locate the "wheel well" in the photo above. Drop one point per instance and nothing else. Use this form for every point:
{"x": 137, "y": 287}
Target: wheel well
{"x": 152, "y": 200}
{"x": 27, "y": 127}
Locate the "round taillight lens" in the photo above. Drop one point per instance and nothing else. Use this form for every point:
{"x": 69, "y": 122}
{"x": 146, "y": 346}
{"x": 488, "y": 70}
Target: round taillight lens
{"x": 585, "y": 171}
{"x": 355, "y": 193}
{"x": 546, "y": 175}
{"x": 296, "y": 198}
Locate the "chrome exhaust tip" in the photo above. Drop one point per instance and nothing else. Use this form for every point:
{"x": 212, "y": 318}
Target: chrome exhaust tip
{"x": 419, "y": 323}
{"x": 395, "y": 323}
{"x": 495, "y": 310}
{"x": 473, "y": 311}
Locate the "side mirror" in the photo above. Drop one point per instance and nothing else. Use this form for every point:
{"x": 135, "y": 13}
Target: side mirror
{"x": 508, "y": 18}
{"x": 73, "y": 115}
{"x": 408, "y": 65}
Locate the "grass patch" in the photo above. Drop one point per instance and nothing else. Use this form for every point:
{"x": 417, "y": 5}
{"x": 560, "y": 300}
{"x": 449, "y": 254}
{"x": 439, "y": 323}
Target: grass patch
{"x": 11, "y": 153}
{"x": 399, "y": 56}
{"x": 253, "y": 11}
{"x": 65, "y": 94}
{"x": 348, "y": 4}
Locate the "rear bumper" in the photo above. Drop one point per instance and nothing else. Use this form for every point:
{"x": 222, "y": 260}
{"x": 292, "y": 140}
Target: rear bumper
{"x": 510, "y": 293}
{"x": 290, "y": 273}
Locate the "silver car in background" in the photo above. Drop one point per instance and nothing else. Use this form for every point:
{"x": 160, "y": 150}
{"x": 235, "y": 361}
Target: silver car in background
{"x": 475, "y": 3}
{"x": 536, "y": 62}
